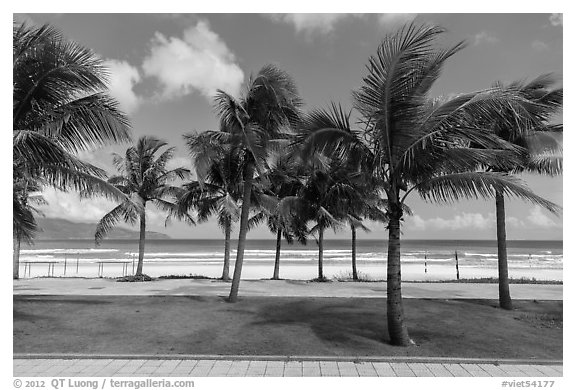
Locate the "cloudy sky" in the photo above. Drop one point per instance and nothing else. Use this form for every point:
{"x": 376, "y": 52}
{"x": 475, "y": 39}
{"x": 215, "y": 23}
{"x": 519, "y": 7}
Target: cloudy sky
{"x": 165, "y": 69}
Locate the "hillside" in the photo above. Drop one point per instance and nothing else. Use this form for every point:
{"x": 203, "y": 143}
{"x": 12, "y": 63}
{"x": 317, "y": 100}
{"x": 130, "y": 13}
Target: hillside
{"x": 61, "y": 229}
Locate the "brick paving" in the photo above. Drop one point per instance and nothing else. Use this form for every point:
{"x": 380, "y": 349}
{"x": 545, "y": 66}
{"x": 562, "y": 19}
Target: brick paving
{"x": 270, "y": 368}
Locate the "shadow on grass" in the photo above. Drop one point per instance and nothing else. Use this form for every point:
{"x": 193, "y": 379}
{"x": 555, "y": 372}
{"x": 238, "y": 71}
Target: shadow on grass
{"x": 343, "y": 323}
{"x": 18, "y": 315}
{"x": 49, "y": 299}
{"x": 168, "y": 298}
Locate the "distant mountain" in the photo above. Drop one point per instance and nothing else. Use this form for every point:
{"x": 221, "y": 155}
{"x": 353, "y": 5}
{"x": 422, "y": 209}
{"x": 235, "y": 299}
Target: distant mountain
{"x": 62, "y": 229}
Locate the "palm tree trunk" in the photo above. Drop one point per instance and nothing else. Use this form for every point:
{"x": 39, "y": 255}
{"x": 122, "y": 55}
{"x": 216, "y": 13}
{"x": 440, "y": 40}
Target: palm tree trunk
{"x": 276, "y": 275}
{"x": 226, "y": 267}
{"x": 354, "y": 270}
{"x": 16, "y": 257}
{"x": 395, "y": 310}
{"x": 503, "y": 286}
{"x": 141, "y": 242}
{"x": 248, "y": 178}
{"x": 321, "y": 253}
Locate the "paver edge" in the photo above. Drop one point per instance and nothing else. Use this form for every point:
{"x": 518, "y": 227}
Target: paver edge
{"x": 395, "y": 359}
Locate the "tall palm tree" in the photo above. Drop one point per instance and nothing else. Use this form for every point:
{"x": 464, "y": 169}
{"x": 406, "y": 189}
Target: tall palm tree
{"x": 143, "y": 178}
{"x": 26, "y": 195}
{"x": 60, "y": 107}
{"x": 363, "y": 200}
{"x": 268, "y": 106}
{"x": 325, "y": 200}
{"x": 218, "y": 188}
{"x": 544, "y": 156}
{"x": 281, "y": 181}
{"x": 424, "y": 145}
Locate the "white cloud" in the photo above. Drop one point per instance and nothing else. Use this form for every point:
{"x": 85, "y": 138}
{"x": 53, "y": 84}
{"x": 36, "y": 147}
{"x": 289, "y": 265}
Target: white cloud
{"x": 123, "y": 78}
{"x": 539, "y": 46}
{"x": 485, "y": 37}
{"x": 395, "y": 19}
{"x": 179, "y": 162}
{"x": 557, "y": 19}
{"x": 311, "y": 23}
{"x": 68, "y": 205}
{"x": 538, "y": 218}
{"x": 457, "y": 222}
{"x": 199, "y": 61}
{"x": 316, "y": 23}
{"x": 472, "y": 221}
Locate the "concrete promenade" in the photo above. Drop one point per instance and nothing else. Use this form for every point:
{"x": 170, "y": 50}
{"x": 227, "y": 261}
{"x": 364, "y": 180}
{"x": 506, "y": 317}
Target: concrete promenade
{"x": 285, "y": 288}
{"x": 276, "y": 367}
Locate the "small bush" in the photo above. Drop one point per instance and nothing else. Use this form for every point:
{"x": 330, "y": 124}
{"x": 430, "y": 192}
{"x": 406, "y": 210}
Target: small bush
{"x": 321, "y": 280}
{"x": 347, "y": 277}
{"x": 134, "y": 278}
{"x": 190, "y": 276}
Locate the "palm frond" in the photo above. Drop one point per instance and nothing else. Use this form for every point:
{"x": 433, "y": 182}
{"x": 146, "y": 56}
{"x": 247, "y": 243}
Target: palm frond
{"x": 111, "y": 219}
{"x": 479, "y": 185}
{"x": 173, "y": 211}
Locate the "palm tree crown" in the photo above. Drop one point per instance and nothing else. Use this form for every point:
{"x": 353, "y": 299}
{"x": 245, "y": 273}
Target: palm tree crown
{"x": 60, "y": 105}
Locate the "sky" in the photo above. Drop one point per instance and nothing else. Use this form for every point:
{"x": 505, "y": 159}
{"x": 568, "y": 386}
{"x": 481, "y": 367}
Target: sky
{"x": 165, "y": 68}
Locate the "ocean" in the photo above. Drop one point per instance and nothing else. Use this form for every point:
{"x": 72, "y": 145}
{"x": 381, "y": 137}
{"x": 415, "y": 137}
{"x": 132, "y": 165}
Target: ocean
{"x": 421, "y": 259}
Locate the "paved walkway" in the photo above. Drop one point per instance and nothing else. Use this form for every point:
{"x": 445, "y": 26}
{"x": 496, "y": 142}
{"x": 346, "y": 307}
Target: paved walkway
{"x": 270, "y": 368}
{"x": 298, "y": 288}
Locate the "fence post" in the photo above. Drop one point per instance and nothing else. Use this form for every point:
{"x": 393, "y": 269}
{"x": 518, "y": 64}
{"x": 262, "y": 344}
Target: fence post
{"x": 457, "y": 270}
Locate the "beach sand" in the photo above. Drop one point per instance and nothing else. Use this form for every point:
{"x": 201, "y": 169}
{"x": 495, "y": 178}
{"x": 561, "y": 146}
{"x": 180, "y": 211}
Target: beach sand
{"x": 410, "y": 271}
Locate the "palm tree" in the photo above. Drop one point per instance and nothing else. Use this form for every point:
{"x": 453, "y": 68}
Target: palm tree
{"x": 363, "y": 200}
{"x": 268, "y": 106}
{"x": 280, "y": 182}
{"x": 143, "y": 178}
{"x": 218, "y": 188}
{"x": 544, "y": 156}
{"x": 25, "y": 196}
{"x": 325, "y": 199}
{"x": 423, "y": 145}
{"x": 60, "y": 107}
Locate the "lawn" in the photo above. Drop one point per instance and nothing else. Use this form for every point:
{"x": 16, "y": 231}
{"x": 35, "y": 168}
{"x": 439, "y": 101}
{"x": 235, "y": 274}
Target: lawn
{"x": 283, "y": 326}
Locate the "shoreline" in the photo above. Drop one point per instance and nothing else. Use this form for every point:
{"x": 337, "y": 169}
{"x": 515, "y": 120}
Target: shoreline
{"x": 338, "y": 280}
{"x": 371, "y": 272}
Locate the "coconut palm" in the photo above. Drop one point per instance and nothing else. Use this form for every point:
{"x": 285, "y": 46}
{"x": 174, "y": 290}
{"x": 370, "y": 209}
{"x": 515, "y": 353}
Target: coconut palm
{"x": 143, "y": 178}
{"x": 26, "y": 195}
{"x": 60, "y": 107}
{"x": 544, "y": 156}
{"x": 357, "y": 161}
{"x": 423, "y": 145}
{"x": 218, "y": 188}
{"x": 325, "y": 200}
{"x": 268, "y": 106}
{"x": 282, "y": 181}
